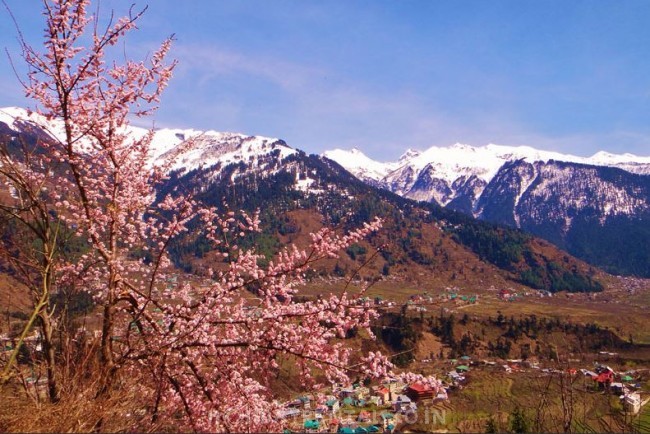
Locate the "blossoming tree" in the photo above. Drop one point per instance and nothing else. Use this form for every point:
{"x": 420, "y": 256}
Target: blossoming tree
{"x": 204, "y": 357}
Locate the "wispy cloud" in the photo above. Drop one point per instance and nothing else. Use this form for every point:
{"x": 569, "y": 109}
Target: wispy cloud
{"x": 212, "y": 62}
{"x": 322, "y": 109}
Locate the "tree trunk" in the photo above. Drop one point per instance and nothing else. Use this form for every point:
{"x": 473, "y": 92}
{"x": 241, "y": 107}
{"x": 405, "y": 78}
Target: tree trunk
{"x": 48, "y": 354}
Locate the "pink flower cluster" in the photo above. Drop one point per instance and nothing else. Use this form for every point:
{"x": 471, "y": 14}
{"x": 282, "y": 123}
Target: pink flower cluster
{"x": 208, "y": 355}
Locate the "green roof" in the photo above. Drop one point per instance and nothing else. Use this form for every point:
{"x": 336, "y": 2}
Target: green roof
{"x": 373, "y": 428}
{"x": 360, "y": 430}
{"x": 387, "y": 415}
{"x": 330, "y": 402}
{"x": 627, "y": 378}
{"x": 312, "y": 424}
{"x": 348, "y": 401}
{"x": 346, "y": 430}
{"x": 462, "y": 368}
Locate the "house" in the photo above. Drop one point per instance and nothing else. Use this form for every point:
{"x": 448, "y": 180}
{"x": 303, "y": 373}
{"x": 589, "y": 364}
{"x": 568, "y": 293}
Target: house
{"x": 312, "y": 425}
{"x": 456, "y": 377}
{"x": 383, "y": 393}
{"x": 295, "y": 403}
{"x": 402, "y": 403}
{"x": 361, "y": 392}
{"x": 347, "y": 392}
{"x": 395, "y": 388}
{"x": 589, "y": 373}
{"x": 504, "y": 294}
{"x": 305, "y": 402}
{"x": 632, "y": 403}
{"x": 386, "y": 418}
{"x": 333, "y": 405}
{"x": 618, "y": 388}
{"x": 417, "y": 391}
{"x": 375, "y": 400}
{"x": 605, "y": 376}
{"x": 286, "y": 413}
{"x": 364, "y": 416}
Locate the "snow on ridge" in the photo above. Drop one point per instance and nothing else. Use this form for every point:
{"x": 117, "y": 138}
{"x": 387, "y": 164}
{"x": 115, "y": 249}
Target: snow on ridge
{"x": 447, "y": 163}
{"x": 13, "y": 116}
{"x": 187, "y": 148}
{"x": 408, "y": 155}
{"x": 204, "y": 150}
{"x": 359, "y": 164}
{"x": 451, "y": 162}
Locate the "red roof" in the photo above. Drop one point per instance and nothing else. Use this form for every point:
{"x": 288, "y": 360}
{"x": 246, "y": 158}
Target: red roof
{"x": 604, "y": 377}
{"x": 420, "y": 388}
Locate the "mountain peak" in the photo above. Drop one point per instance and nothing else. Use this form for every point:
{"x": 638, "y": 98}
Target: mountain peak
{"x": 360, "y": 165}
{"x": 409, "y": 154}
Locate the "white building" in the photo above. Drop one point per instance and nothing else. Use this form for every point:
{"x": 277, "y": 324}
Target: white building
{"x": 632, "y": 403}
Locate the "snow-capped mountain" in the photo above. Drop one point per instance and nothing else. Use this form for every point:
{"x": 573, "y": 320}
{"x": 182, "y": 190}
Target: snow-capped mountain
{"x": 575, "y": 202}
{"x": 176, "y": 149}
{"x": 360, "y": 165}
{"x": 442, "y": 174}
{"x": 296, "y": 193}
{"x": 597, "y": 208}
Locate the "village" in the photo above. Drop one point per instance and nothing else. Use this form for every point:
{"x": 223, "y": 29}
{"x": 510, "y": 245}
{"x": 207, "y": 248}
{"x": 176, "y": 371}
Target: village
{"x": 359, "y": 409}
{"x": 392, "y": 406}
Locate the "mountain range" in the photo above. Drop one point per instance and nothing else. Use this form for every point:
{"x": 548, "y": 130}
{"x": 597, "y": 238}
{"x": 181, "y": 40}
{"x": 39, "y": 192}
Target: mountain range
{"x": 597, "y": 208}
{"x": 298, "y": 192}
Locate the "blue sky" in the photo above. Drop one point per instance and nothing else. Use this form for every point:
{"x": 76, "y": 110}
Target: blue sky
{"x": 385, "y": 76}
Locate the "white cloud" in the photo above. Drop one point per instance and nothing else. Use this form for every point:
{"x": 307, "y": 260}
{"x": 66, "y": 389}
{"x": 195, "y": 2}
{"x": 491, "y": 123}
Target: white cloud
{"x": 211, "y": 62}
{"x": 324, "y": 109}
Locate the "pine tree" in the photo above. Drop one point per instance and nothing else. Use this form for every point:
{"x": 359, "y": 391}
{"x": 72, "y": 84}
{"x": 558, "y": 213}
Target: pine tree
{"x": 518, "y": 422}
{"x": 491, "y": 426}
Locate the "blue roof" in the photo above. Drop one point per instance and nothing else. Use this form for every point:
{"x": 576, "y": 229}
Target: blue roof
{"x": 312, "y": 424}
